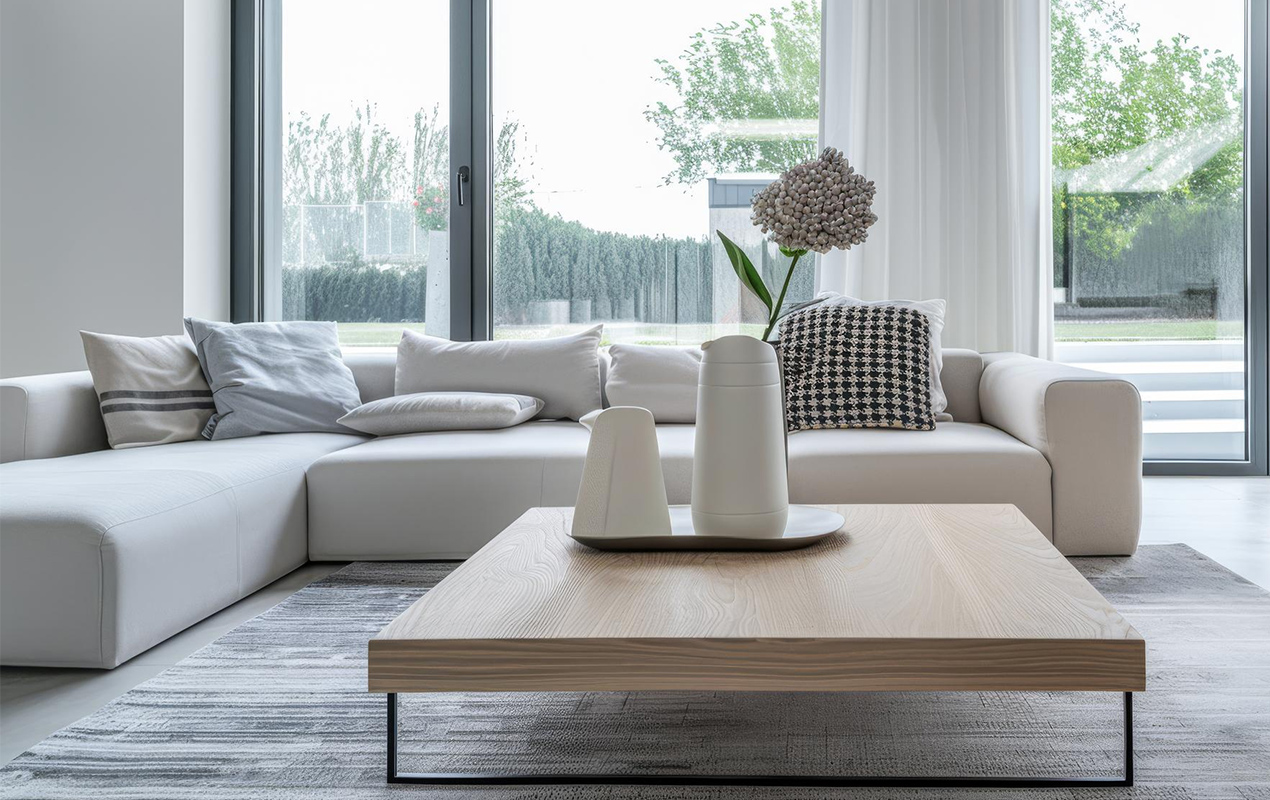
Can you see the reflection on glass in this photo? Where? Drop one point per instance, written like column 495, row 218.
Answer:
column 1149, row 265
column 619, row 156
column 365, row 162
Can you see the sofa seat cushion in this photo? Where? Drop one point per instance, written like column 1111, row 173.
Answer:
column 104, row 554
column 958, row 462
column 445, row 494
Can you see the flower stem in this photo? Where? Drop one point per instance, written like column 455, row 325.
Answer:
column 780, row 301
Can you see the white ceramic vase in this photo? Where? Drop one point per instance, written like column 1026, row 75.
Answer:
column 622, row 493
column 739, row 482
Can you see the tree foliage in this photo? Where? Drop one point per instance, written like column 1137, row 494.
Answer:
column 363, row 160
column 324, row 164
column 1112, row 93
column 761, row 68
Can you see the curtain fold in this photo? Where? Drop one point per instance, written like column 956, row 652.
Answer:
column 944, row 105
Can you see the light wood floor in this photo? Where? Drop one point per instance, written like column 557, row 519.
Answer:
column 1227, row 519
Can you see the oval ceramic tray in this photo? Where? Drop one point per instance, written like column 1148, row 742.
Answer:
column 806, row 526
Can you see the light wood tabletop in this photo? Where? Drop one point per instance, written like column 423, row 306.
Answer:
column 905, row 597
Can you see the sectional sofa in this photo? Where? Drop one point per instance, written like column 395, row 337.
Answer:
column 105, row 553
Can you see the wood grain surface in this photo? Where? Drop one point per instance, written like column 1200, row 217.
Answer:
column 906, row 597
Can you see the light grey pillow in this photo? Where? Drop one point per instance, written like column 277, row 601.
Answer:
column 659, row 378
column 564, row 372
column 441, row 411
column 151, row 389
column 273, row 377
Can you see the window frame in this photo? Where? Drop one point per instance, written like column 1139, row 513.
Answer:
column 256, row 168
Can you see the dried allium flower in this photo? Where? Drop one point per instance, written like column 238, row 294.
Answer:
column 817, row 205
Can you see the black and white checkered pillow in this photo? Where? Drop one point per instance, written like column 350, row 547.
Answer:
column 857, row 367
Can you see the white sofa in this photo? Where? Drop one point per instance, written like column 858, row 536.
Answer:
column 105, row 553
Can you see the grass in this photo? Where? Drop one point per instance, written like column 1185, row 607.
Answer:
column 374, row 334
column 1146, row 330
column 387, row 334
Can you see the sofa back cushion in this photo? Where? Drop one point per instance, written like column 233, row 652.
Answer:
column 48, row 416
column 960, row 377
column 374, row 373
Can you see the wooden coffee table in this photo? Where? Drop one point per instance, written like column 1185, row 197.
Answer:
column 906, row 598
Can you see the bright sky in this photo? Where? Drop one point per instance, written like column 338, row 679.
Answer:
column 577, row 75
column 1215, row 24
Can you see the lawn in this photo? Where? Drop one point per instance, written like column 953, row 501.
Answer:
column 1140, row 330
column 374, row 334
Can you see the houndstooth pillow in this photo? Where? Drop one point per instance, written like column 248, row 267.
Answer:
column 857, row 367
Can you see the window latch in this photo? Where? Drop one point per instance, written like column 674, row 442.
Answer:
column 464, row 175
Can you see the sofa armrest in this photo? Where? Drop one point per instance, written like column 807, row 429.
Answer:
column 1088, row 425
column 45, row 416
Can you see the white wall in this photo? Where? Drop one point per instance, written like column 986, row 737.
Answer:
column 96, row 213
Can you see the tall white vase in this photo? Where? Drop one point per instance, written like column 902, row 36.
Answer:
column 739, row 482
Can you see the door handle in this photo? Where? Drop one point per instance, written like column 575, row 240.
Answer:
column 464, row 175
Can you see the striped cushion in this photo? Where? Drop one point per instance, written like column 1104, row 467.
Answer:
column 151, row 390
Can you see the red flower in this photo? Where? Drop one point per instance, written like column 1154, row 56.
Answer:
column 427, row 210
column 415, row 204
column 418, row 190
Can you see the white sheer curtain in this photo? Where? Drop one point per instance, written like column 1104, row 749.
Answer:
column 944, row 104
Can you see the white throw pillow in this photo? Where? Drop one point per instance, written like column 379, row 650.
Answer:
column 441, row 411
column 564, row 372
column 933, row 310
column 151, row 390
column 658, row 378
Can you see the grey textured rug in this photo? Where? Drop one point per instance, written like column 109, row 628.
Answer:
column 277, row 708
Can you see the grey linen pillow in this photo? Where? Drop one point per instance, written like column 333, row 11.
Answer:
column 441, row 411
column 151, row 389
column 273, row 377
column 564, row 372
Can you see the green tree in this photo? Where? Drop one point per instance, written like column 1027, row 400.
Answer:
column 759, row 69
column 1112, row 93
column 328, row 165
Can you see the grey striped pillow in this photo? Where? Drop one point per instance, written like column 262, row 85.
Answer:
column 151, row 389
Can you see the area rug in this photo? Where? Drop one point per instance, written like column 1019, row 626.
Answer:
column 277, row 709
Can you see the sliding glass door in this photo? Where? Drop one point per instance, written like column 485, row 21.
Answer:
column 1154, row 268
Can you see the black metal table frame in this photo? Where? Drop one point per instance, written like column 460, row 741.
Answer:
column 800, row 781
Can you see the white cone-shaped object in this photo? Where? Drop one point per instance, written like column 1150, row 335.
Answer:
column 739, row 483
column 622, row 492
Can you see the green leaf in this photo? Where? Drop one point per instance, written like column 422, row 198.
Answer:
column 788, row 253
column 746, row 272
